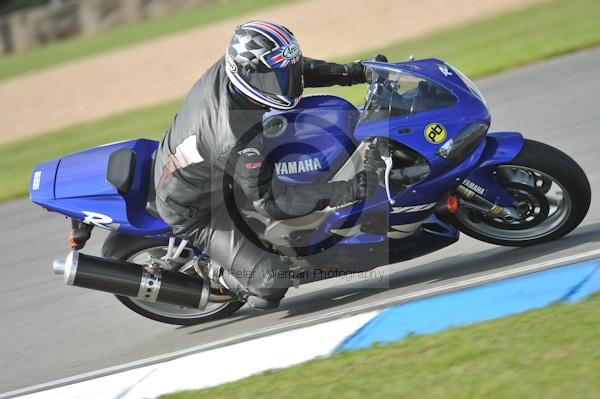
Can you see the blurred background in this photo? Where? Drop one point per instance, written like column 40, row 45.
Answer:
column 80, row 73
column 30, row 23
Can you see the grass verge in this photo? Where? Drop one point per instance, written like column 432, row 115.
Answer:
column 481, row 48
column 499, row 43
column 553, row 352
column 84, row 46
column 18, row 158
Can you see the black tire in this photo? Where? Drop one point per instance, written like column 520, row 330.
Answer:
column 563, row 169
column 122, row 247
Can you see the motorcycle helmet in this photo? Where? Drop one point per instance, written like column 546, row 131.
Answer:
column 264, row 62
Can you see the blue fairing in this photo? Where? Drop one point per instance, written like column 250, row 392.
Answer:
column 496, row 149
column 76, row 186
column 444, row 177
column 309, row 145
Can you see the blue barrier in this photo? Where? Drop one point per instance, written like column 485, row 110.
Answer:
column 472, row 305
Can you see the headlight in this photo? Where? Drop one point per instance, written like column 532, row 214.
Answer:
column 460, row 147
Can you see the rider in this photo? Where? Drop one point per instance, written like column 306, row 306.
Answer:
column 217, row 134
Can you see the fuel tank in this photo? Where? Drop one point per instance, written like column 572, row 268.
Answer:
column 311, row 142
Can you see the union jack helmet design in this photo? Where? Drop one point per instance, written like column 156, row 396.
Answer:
column 263, row 61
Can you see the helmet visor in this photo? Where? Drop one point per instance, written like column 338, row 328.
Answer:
column 286, row 82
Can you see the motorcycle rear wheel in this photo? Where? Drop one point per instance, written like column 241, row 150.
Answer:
column 135, row 250
column 554, row 190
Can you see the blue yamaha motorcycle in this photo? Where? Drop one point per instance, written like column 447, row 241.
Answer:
column 440, row 172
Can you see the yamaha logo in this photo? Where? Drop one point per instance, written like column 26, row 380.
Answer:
column 300, row 166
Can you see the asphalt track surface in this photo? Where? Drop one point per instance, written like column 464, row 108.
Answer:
column 51, row 331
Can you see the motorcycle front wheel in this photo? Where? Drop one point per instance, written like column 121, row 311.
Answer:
column 552, row 196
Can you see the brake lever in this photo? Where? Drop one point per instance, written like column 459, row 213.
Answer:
column 389, row 163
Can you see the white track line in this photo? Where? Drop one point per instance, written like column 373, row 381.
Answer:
column 309, row 320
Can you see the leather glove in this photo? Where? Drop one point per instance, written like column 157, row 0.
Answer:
column 378, row 58
column 363, row 185
column 357, row 72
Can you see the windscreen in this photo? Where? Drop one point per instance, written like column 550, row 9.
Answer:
column 394, row 93
column 470, row 85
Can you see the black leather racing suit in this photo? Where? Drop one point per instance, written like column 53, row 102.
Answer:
column 216, row 139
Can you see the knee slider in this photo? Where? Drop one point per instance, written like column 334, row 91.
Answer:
column 267, row 277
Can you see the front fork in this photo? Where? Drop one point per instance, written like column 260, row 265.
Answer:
column 492, row 200
column 469, row 199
